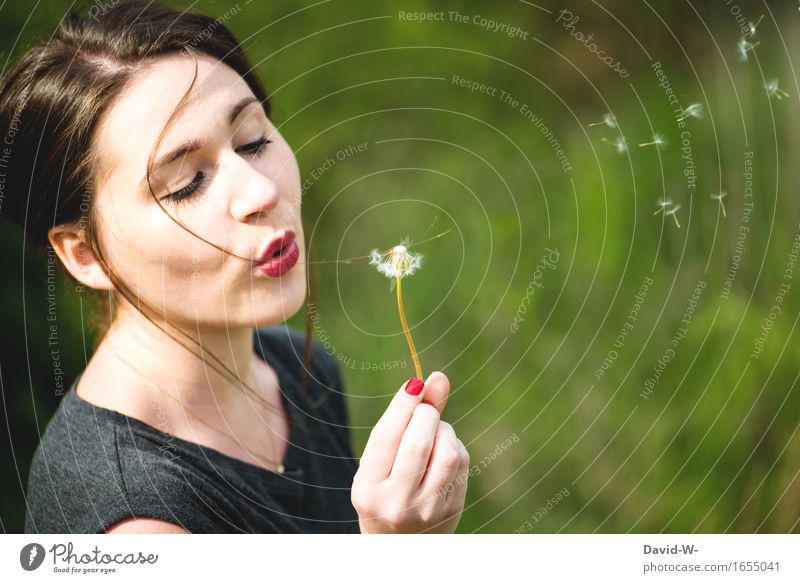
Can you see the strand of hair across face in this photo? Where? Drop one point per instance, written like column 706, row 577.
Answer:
column 227, row 373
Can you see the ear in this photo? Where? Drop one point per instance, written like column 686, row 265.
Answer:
column 77, row 257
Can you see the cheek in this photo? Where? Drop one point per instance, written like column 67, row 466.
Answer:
column 294, row 172
column 152, row 254
column 172, row 254
column 289, row 171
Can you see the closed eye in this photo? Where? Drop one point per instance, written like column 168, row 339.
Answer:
column 255, row 147
column 194, row 187
column 187, row 191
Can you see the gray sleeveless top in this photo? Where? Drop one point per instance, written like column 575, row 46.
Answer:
column 94, row 466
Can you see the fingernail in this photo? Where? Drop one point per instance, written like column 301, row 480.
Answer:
column 414, row 386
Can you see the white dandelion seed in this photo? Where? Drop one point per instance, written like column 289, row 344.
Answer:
column 693, row 110
column 673, row 212
column 620, row 144
column 658, row 141
column 751, row 28
column 719, row 196
column 773, row 90
column 744, row 46
column 663, row 204
column 608, row 119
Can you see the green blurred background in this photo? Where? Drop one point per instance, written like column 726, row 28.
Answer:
column 706, row 441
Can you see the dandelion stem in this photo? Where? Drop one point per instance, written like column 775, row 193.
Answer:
column 414, row 356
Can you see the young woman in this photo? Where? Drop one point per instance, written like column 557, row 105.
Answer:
column 141, row 152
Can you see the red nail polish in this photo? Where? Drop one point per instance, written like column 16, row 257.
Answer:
column 414, row 386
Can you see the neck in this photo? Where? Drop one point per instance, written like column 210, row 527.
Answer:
column 177, row 370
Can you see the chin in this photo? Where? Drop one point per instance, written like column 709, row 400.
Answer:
column 283, row 303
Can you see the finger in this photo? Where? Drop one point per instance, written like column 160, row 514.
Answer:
column 415, row 448
column 454, row 504
column 447, row 459
column 451, row 497
column 457, row 496
column 437, row 389
column 381, row 448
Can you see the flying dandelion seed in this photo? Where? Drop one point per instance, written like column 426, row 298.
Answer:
column 658, row 141
column 673, row 212
column 751, row 28
column 396, row 264
column 719, row 197
column 663, row 204
column 608, row 119
column 773, row 90
column 694, row 110
column 620, row 144
column 744, row 46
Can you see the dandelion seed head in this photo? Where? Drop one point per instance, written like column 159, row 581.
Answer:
column 398, row 262
column 719, row 195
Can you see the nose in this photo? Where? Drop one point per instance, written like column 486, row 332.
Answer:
column 255, row 194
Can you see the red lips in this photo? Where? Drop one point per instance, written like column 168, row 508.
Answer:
column 287, row 251
column 278, row 243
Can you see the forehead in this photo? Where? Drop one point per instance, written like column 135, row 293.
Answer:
column 128, row 130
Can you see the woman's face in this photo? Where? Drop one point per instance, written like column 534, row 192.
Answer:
column 246, row 196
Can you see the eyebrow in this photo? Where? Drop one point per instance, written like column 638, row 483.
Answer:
column 192, row 145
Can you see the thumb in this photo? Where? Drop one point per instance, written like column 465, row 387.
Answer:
column 436, row 391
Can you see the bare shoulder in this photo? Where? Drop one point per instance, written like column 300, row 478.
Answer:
column 145, row 526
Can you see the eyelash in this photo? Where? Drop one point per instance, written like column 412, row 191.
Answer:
column 191, row 189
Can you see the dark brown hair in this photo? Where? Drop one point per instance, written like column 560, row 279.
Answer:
column 51, row 100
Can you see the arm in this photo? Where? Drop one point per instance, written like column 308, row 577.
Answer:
column 145, row 526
